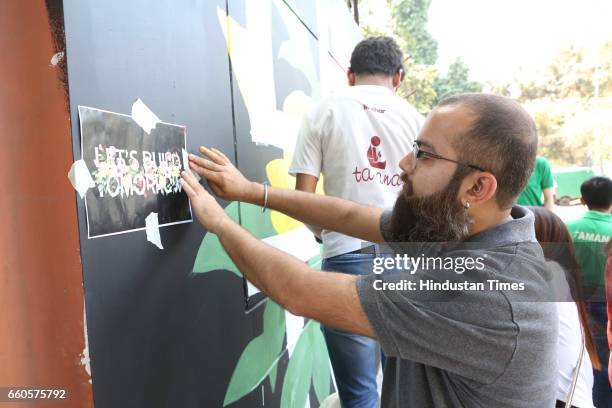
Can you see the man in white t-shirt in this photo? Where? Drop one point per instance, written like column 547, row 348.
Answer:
column 356, row 139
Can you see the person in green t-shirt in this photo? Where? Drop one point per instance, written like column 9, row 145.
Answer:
column 591, row 233
column 540, row 184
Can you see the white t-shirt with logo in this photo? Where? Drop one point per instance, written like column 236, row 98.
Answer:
column 356, row 139
column 569, row 343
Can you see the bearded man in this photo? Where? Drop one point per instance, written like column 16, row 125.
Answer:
column 455, row 348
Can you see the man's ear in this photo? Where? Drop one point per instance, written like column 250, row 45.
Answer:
column 479, row 188
column 397, row 78
column 582, row 201
column 350, row 75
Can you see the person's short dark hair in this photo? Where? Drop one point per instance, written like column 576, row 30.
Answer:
column 502, row 140
column 597, row 192
column 377, row 55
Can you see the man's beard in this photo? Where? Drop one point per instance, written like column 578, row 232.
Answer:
column 439, row 217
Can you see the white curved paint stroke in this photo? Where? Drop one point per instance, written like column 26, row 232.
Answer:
column 250, row 50
column 85, row 361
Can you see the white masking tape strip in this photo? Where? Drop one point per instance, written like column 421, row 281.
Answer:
column 80, row 178
column 186, row 165
column 144, row 117
column 185, row 160
column 152, row 225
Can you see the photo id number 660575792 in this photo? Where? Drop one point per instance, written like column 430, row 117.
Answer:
column 15, row 394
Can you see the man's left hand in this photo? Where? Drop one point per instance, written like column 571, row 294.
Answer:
column 207, row 210
column 224, row 179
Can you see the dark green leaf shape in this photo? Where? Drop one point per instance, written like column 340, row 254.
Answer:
column 260, row 356
column 321, row 374
column 256, row 222
column 272, row 376
column 211, row 255
column 310, row 361
column 315, row 262
column 297, row 378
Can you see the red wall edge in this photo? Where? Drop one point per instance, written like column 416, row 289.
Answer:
column 41, row 283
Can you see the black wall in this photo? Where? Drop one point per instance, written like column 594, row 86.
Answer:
column 160, row 336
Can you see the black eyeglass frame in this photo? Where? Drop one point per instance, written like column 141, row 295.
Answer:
column 418, row 153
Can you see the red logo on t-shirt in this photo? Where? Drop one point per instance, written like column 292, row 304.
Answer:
column 375, row 155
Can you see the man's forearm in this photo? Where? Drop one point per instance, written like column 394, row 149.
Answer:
column 326, row 212
column 261, row 264
column 329, row 298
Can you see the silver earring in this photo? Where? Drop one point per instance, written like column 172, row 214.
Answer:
column 466, row 205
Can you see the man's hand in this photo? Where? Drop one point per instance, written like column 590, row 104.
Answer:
column 207, row 210
column 330, row 213
column 223, row 178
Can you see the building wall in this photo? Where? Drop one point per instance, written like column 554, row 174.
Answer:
column 41, row 287
column 171, row 328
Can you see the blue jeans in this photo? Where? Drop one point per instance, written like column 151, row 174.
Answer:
column 602, row 392
column 354, row 358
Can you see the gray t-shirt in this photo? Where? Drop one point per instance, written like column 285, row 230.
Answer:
column 470, row 348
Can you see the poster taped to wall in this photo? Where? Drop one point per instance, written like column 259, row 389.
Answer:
column 134, row 173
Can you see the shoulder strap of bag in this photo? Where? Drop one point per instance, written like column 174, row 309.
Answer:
column 570, row 394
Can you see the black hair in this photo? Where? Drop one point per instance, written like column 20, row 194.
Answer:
column 556, row 242
column 597, row 192
column 502, row 139
column 377, row 55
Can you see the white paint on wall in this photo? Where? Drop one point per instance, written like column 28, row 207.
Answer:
column 294, row 326
column 85, row 362
column 57, row 58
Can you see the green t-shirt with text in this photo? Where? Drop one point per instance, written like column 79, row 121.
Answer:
column 591, row 233
column 541, row 179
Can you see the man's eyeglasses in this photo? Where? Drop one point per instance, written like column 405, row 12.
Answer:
column 418, row 153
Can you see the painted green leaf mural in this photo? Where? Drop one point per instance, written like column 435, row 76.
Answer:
column 321, row 373
column 259, row 359
column 260, row 356
column 256, row 222
column 211, row 255
column 274, row 326
column 315, row 262
column 309, row 362
column 272, row 376
column 297, row 377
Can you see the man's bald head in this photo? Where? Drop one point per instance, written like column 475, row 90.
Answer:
column 501, row 139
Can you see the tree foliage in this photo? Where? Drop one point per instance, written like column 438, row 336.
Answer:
column 570, row 100
column 423, row 84
column 455, row 81
column 418, row 86
column 410, row 24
